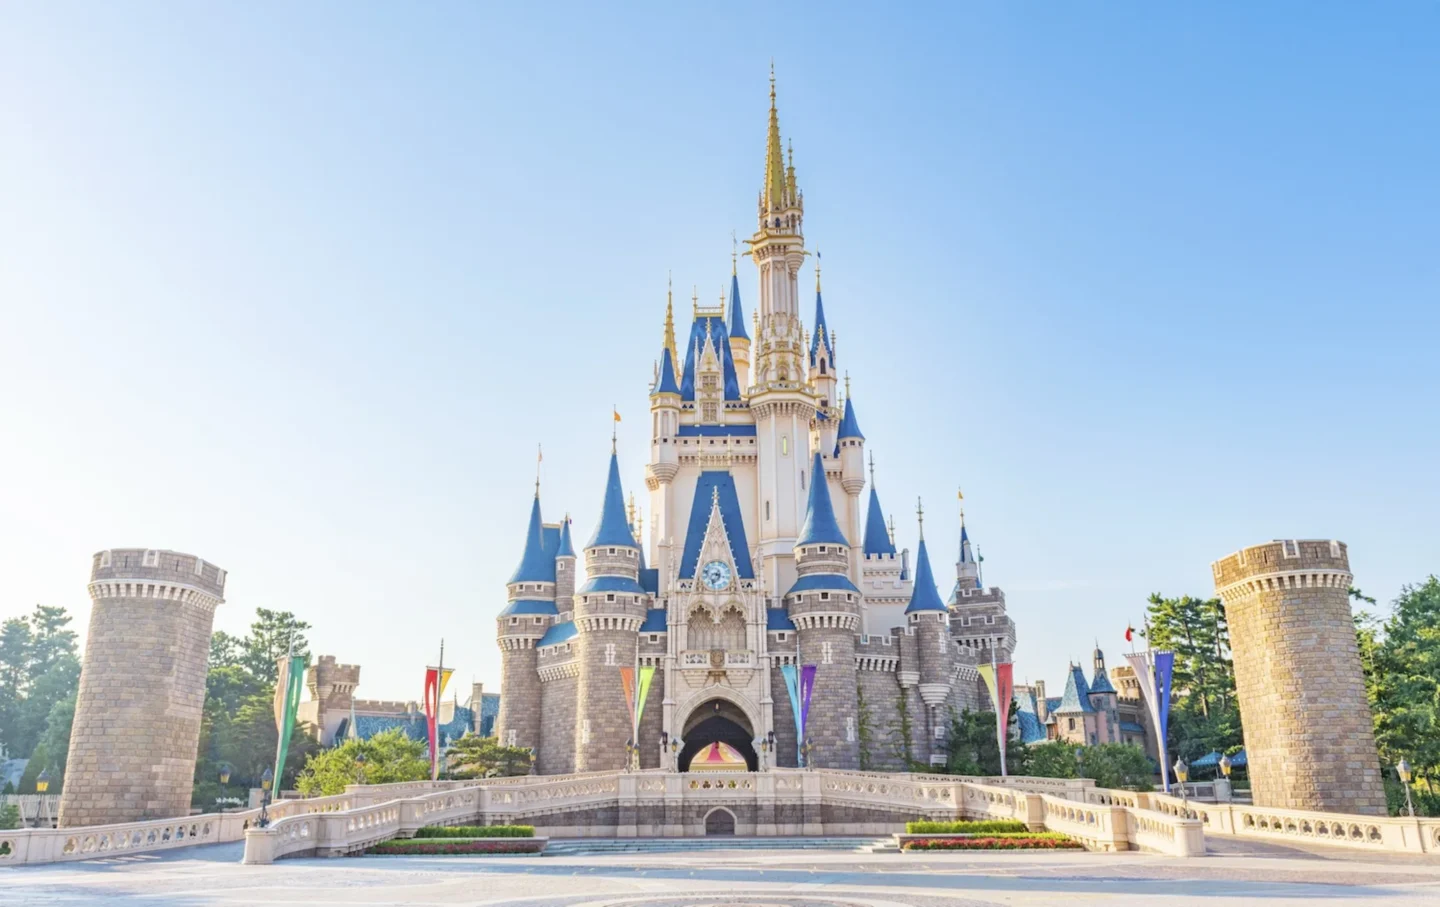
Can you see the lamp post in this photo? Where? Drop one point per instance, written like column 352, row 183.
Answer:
column 675, row 745
column 1403, row 770
column 266, row 780
column 360, row 767
column 805, row 749
column 224, row 773
column 42, row 784
column 1225, row 766
column 1182, row 773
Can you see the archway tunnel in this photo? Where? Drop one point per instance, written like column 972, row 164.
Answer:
column 718, row 720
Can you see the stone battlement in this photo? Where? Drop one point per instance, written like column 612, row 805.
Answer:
column 1282, row 556
column 158, row 566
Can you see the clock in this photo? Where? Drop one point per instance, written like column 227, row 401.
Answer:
column 715, row 575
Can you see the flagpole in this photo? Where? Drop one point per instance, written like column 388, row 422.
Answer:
column 439, row 679
column 1002, row 711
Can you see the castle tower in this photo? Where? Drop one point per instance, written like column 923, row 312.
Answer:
column 142, row 687
column 824, row 605
column 529, row 611
column 1105, row 701
column 928, row 617
column 782, row 401
column 850, row 441
column 1308, row 732
column 609, row 609
column 739, row 340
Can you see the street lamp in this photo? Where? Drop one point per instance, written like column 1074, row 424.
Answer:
column 805, row 749
column 360, row 766
column 266, row 780
column 42, row 784
column 1225, row 766
column 1403, row 770
column 1182, row 772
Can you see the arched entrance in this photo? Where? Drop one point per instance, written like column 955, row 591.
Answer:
column 719, row 821
column 722, row 720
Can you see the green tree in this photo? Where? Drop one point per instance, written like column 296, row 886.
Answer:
column 225, row 650
column 39, row 761
column 9, row 817
column 972, row 747
column 56, row 740
column 1204, row 715
column 473, row 756
column 1117, row 765
column 1403, row 682
column 1054, row 759
column 390, row 757
column 270, row 637
column 38, row 668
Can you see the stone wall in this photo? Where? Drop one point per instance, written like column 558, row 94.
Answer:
column 833, row 723
column 142, row 687
column 786, row 755
column 556, row 752
column 1308, row 732
column 881, row 722
column 518, row 722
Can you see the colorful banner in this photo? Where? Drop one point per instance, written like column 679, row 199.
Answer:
column 793, row 688
column 1155, row 689
column 807, row 689
column 647, row 674
column 627, row 686
column 999, row 680
column 287, row 702
column 435, row 681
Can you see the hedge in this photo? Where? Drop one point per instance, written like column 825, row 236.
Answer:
column 463, row 846
column 476, row 831
column 979, row 827
column 997, row 842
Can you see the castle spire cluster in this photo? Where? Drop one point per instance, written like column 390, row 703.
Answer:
column 759, row 554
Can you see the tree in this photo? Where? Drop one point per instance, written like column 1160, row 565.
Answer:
column 973, row 749
column 1204, row 715
column 9, row 817
column 473, row 756
column 56, row 740
column 225, row 650
column 39, row 667
column 1113, row 765
column 270, row 638
column 390, row 757
column 1053, row 759
column 1403, row 681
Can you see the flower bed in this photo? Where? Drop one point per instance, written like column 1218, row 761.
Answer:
column 476, row 831
column 977, row 827
column 457, row 846
column 1039, row 841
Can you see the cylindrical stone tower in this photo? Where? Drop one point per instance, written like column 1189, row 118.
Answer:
column 609, row 609
column 142, row 687
column 528, row 614
column 1308, row 734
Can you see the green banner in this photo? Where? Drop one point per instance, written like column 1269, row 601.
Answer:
column 647, row 674
column 287, row 702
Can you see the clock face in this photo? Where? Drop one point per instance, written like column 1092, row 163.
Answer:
column 716, row 575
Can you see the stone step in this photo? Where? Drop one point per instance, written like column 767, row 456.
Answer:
column 580, row 846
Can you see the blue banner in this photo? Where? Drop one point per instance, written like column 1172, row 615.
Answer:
column 1164, row 668
column 792, row 686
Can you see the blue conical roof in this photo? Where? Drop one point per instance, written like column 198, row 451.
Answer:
column 924, row 596
column 566, row 549
column 1101, row 681
column 822, row 331
column 820, row 526
column 667, row 383
column 535, row 565
column 737, row 315
column 877, row 540
column 849, row 425
column 966, row 556
column 614, row 529
column 1077, row 695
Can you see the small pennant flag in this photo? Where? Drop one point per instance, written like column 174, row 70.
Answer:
column 1129, row 633
column 616, row 414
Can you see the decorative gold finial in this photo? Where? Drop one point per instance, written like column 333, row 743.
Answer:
column 920, row 516
column 734, row 252
column 817, row 270
column 539, row 458
column 891, row 527
column 847, row 385
column 670, row 325
column 774, row 192
column 630, row 511
column 872, row 468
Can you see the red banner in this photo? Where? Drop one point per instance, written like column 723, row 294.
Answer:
column 431, row 704
column 627, row 683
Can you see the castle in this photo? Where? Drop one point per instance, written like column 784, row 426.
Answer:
column 757, row 557
column 333, row 713
column 1107, row 708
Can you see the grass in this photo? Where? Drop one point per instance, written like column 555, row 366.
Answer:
column 476, row 831
column 457, row 846
column 977, row 827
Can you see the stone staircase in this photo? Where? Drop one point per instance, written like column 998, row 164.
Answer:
column 569, row 847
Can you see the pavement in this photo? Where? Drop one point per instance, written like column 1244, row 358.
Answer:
column 1236, row 873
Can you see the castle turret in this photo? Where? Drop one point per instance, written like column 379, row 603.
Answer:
column 930, row 619
column 1308, row 734
column 609, row 609
column 850, row 443
column 529, row 611
column 1104, row 700
column 824, row 605
column 739, row 340
column 132, row 751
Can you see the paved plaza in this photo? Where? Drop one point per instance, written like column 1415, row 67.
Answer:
column 1237, row 873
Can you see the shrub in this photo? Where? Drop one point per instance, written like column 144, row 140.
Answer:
column 9, row 817
column 977, row 827
column 443, row 846
column 997, row 842
column 476, row 831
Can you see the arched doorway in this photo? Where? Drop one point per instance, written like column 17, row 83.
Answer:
column 722, row 720
column 719, row 821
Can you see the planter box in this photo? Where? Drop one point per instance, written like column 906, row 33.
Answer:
column 458, row 847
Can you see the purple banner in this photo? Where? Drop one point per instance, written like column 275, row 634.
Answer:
column 1164, row 669
column 792, row 687
column 807, row 687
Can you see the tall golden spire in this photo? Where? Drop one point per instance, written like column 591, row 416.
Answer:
column 774, row 155
column 670, row 328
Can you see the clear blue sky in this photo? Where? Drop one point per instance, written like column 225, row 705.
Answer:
column 298, row 287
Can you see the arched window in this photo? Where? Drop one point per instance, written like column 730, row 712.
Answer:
column 822, row 366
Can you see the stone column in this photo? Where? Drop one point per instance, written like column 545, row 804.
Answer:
column 142, row 687
column 1308, row 734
